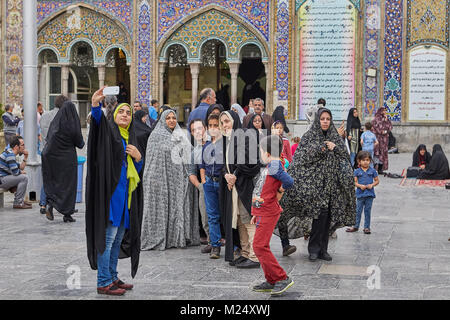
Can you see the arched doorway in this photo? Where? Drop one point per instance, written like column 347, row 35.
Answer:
column 49, row 81
column 252, row 81
column 214, row 71
column 117, row 71
column 177, row 81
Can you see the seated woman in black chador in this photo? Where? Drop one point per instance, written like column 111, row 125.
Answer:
column 438, row 168
column 421, row 157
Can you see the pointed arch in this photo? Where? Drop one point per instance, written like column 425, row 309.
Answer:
column 241, row 23
column 100, row 30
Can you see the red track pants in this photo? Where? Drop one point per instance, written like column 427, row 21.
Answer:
column 261, row 245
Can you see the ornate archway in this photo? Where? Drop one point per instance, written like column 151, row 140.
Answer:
column 211, row 24
column 84, row 24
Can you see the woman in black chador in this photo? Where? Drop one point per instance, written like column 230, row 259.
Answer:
column 324, row 189
column 113, row 195
column 59, row 162
column 438, row 168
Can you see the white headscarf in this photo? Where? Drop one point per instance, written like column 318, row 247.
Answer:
column 241, row 113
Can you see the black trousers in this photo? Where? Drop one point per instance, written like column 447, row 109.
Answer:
column 318, row 240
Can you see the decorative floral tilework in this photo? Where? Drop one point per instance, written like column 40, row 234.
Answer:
column 120, row 9
column 428, row 22
column 282, row 63
column 393, row 59
column 144, row 53
column 255, row 12
column 99, row 30
column 209, row 25
column 371, row 55
column 14, row 52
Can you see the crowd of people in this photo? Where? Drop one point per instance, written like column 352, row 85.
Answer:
column 228, row 179
column 230, row 182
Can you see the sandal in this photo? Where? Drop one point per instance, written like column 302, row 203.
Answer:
column 367, row 231
column 353, row 229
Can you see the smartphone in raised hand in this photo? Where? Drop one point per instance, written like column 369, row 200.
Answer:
column 111, row 91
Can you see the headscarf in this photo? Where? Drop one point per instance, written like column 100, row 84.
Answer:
column 418, row 158
column 352, row 121
column 211, row 109
column 250, row 124
column 278, row 115
column 142, row 130
column 380, row 123
column 438, row 168
column 132, row 174
column 241, row 113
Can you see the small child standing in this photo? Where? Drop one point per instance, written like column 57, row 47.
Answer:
column 266, row 211
column 210, row 173
column 368, row 140
column 366, row 178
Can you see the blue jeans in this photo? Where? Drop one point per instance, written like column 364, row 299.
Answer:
column 352, row 158
column 366, row 204
column 211, row 190
column 42, row 197
column 107, row 262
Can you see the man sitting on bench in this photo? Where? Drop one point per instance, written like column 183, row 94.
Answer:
column 12, row 176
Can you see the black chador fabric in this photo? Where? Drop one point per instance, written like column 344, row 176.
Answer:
column 352, row 121
column 59, row 159
column 278, row 115
column 105, row 158
column 438, row 168
column 244, row 183
column 416, row 156
column 142, row 131
column 211, row 109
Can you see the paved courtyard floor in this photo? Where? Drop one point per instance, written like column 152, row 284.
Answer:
column 408, row 246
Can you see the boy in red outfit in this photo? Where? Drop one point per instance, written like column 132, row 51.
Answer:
column 266, row 211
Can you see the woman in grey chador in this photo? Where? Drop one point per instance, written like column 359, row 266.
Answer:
column 168, row 220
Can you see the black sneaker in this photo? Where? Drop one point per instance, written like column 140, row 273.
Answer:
column 249, row 264
column 288, row 250
column 263, row 287
column 215, row 253
column 43, row 210
column 237, row 261
column 282, row 286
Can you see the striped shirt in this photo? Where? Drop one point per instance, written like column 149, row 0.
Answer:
column 8, row 164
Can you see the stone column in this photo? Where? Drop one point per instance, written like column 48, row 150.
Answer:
column 195, row 70
column 234, row 70
column 42, row 71
column 162, row 70
column 30, row 99
column 30, row 83
column 101, row 69
column 65, row 80
column 269, row 101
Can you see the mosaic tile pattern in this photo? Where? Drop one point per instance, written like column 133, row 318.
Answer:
column 371, row 55
column 144, row 53
column 428, row 22
column 120, row 9
column 99, row 30
column 14, row 51
column 282, row 53
column 209, row 25
column 255, row 12
column 393, row 59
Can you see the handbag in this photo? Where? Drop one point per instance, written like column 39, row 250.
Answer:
column 412, row 172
